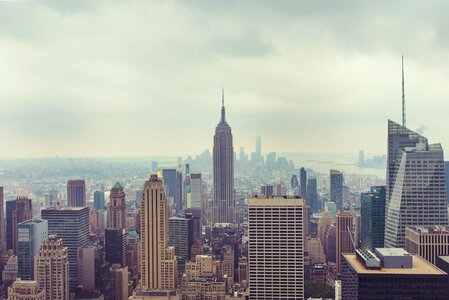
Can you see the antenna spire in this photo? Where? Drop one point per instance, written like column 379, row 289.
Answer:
column 222, row 97
column 223, row 117
column 404, row 121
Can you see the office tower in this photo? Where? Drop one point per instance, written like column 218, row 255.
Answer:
column 169, row 179
column 330, row 244
column 312, row 195
column 223, row 168
column 418, row 195
column 196, row 190
column 204, row 288
column 118, row 278
column 336, row 187
column 228, row 260
column 303, row 183
column 195, row 215
column 99, row 203
column 157, row 264
column 200, row 266
column 446, row 175
column 271, row 161
column 115, row 246
column 76, row 193
column 373, row 218
column 315, row 250
column 266, row 190
column 391, row 273
column 2, row 222
column 70, row 224
column 344, row 241
column 52, row 269
column 294, row 183
column 324, row 223
column 361, row 158
column 25, row 290
column 10, row 272
column 117, row 207
column 331, row 208
column 429, row 242
column 87, row 256
column 31, row 235
column 17, row 211
column 276, row 247
column 51, row 198
column 180, row 236
column 179, row 192
column 132, row 244
column 187, row 190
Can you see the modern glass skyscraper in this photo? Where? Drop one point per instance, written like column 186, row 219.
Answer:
column 99, row 202
column 17, row 211
column 312, row 195
column 373, row 217
column 303, row 183
column 415, row 184
column 223, row 161
column 336, row 187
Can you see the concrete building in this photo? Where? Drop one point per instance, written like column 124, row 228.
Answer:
column 31, row 235
column 223, row 171
column 86, row 267
column 194, row 214
column 267, row 190
column 76, row 193
column 52, row 269
column 70, row 224
column 17, row 211
column 180, row 236
column 202, row 288
column 25, row 290
column 315, row 251
column 344, row 238
column 276, row 247
column 196, row 190
column 429, row 242
column 157, row 264
column 2, row 222
column 115, row 246
column 336, row 188
column 118, row 278
column 117, row 208
column 373, row 218
column 10, row 273
column 202, row 266
column 391, row 273
column 415, row 184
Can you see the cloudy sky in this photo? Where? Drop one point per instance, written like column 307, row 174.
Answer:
column 134, row 78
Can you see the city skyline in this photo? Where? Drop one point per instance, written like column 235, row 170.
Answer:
column 57, row 110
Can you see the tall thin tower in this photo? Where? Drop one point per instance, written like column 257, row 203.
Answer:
column 404, row 121
column 223, row 158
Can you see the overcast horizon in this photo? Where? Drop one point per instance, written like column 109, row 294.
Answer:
column 138, row 78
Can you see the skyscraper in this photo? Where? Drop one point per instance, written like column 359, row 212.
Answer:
column 194, row 214
column 344, row 243
column 180, row 232
column 17, row 211
column 25, row 290
column 52, row 269
column 31, row 235
column 118, row 278
column 157, row 263
column 196, row 190
column 223, row 165
column 312, row 195
column 336, row 187
column 2, row 222
column 117, row 208
column 416, row 184
column 373, row 218
column 99, row 202
column 303, row 183
column 76, row 193
column 276, row 248
column 429, row 242
column 169, row 179
column 70, row 224
column 115, row 246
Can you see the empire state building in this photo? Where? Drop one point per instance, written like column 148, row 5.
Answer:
column 223, row 155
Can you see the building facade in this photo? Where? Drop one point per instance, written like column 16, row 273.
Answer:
column 25, row 290
column 429, row 242
column 76, row 193
column 336, row 188
column 373, row 218
column 344, row 238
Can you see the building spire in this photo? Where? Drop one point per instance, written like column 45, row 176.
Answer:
column 404, row 121
column 223, row 117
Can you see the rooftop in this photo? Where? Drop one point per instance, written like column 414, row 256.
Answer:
column 117, row 185
column 420, row 267
column 392, row 251
column 435, row 229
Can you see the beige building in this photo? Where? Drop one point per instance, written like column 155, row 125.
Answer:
column 324, row 223
column 276, row 247
column 51, row 269
column 2, row 221
column 157, row 264
column 428, row 242
column 204, row 265
column 86, row 267
column 117, row 208
column 204, row 289
column 26, row 290
column 315, row 250
column 228, row 261
column 118, row 277
column 344, row 236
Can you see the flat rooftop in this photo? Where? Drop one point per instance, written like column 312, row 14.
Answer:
column 392, row 252
column 275, row 200
column 435, row 229
column 420, row 267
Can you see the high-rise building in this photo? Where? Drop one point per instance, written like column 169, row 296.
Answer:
column 446, row 175
column 271, row 161
column 70, row 224
column 336, row 188
column 118, row 278
column 52, row 269
column 315, row 250
column 373, row 218
column 157, row 263
column 76, row 193
column 25, row 290
column 324, row 223
column 391, row 273
column 180, row 236
column 303, row 183
column 417, row 184
column 17, row 211
column 117, row 208
column 294, row 183
column 331, row 208
column 276, row 247
column 267, row 190
column 31, row 235
column 195, row 215
column 312, row 195
column 429, row 242
column 223, row 169
column 179, row 191
column 2, row 222
column 344, row 241
column 115, row 246
column 169, row 179
column 99, row 202
column 196, row 190
column 86, row 267
column 9, row 273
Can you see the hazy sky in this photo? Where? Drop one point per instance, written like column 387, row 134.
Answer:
column 125, row 78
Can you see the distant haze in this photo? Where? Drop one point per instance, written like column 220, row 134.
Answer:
column 135, row 78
